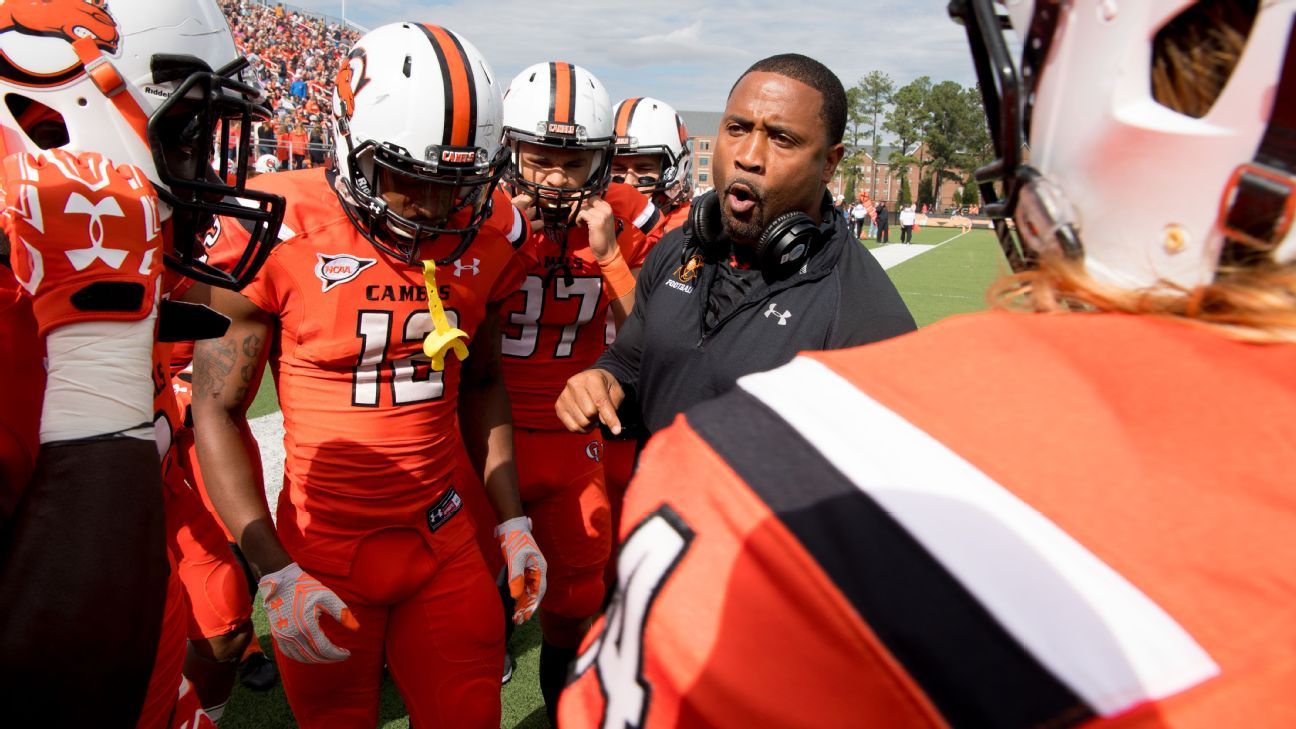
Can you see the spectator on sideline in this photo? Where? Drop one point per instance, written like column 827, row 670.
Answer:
column 755, row 293
column 858, row 214
column 907, row 217
column 316, row 146
column 297, row 140
column 883, row 223
column 265, row 138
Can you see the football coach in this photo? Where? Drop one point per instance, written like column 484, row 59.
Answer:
column 762, row 269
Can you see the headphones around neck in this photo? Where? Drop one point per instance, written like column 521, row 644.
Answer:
column 787, row 242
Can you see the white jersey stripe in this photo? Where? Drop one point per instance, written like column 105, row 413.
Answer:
column 1093, row 629
column 284, row 231
column 515, row 234
column 648, row 211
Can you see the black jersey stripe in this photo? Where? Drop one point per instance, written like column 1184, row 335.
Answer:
column 972, row 670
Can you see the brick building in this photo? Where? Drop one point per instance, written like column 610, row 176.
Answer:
column 702, row 128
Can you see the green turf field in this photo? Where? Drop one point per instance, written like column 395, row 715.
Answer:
column 523, row 707
column 950, row 278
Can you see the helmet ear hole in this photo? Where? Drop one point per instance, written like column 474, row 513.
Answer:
column 42, row 125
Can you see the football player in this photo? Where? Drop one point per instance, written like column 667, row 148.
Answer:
column 379, row 316
column 589, row 243
column 1073, row 516
column 110, row 119
column 652, row 155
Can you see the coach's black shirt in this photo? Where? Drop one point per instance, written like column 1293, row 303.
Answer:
column 666, row 353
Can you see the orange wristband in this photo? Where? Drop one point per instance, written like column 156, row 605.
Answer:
column 617, row 279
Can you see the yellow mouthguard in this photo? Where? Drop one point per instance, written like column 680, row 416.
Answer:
column 443, row 337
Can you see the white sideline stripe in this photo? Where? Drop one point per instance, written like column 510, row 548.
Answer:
column 894, row 254
column 269, row 433
column 1090, row 627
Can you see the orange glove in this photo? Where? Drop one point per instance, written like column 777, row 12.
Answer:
column 85, row 238
column 293, row 603
column 526, row 566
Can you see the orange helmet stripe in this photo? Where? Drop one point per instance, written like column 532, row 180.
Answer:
column 460, row 87
column 624, row 115
column 562, row 92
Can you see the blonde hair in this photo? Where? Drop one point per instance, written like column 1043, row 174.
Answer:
column 1252, row 298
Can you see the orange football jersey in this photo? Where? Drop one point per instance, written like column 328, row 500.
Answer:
column 554, row 330
column 369, row 424
column 890, row 536
column 670, row 220
column 22, row 370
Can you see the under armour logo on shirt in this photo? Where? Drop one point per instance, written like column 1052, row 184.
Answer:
column 460, row 267
column 783, row 316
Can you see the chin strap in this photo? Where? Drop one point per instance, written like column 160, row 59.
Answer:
column 1259, row 203
column 443, row 337
column 105, row 76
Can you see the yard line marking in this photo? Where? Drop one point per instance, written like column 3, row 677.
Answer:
column 893, row 254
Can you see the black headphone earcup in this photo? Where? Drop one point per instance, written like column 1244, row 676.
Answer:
column 704, row 215
column 705, row 228
column 787, row 240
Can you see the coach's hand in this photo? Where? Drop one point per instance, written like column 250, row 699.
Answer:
column 527, row 568
column 293, row 603
column 590, row 394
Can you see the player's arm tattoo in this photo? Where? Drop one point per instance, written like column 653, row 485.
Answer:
column 251, row 350
column 215, row 361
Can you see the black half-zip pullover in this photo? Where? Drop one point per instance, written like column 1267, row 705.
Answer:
column 667, row 355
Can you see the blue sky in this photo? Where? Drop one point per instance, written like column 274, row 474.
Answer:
column 689, row 52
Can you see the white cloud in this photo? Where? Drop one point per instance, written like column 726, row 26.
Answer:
column 687, row 52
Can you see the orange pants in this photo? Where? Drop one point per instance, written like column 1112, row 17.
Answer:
column 171, row 702
column 213, row 580
column 426, row 607
column 618, row 466
column 561, row 481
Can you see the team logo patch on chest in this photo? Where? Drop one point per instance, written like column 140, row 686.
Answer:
column 336, row 269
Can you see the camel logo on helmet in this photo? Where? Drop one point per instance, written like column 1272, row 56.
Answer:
column 26, row 26
column 351, row 78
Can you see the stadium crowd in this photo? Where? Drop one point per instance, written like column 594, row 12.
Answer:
column 294, row 56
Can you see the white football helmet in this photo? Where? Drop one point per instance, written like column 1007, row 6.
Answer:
column 416, row 118
column 559, row 104
column 648, row 126
column 266, row 164
column 1144, row 194
column 157, row 85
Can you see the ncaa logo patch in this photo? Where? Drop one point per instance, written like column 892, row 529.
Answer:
column 594, row 450
column 336, row 269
